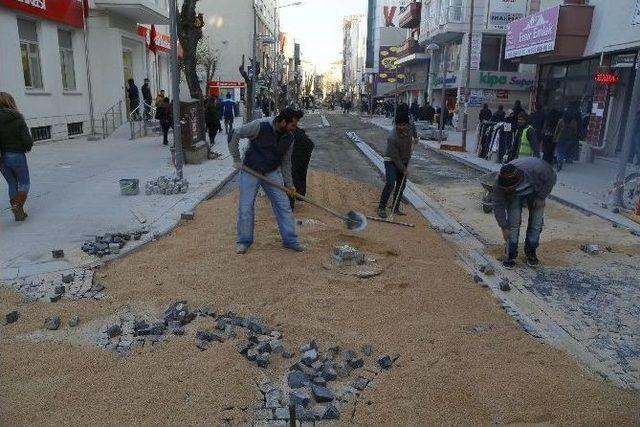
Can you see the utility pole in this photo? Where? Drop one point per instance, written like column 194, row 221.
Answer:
column 628, row 135
column 465, row 117
column 175, row 88
column 254, row 63
column 92, row 120
column 443, row 57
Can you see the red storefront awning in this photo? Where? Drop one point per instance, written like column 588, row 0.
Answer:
column 68, row 12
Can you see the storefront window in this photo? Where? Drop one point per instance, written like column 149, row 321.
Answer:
column 30, row 54
column 65, row 44
column 492, row 55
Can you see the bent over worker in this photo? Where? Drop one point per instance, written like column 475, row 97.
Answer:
column 522, row 182
column 269, row 154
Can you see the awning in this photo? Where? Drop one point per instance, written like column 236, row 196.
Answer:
column 405, row 88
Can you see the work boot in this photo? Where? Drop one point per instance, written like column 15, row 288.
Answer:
column 295, row 247
column 399, row 212
column 509, row 263
column 532, row 259
column 17, row 206
column 241, row 249
column 382, row 213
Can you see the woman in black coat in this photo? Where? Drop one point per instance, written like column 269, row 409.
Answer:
column 15, row 142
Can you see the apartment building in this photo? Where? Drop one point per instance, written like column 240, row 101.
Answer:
column 353, row 55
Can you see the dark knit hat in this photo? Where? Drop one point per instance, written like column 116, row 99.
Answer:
column 509, row 177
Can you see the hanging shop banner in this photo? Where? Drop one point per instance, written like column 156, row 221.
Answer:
column 162, row 41
column 533, row 34
column 635, row 14
column 503, row 12
column 476, row 49
column 388, row 71
column 68, row 12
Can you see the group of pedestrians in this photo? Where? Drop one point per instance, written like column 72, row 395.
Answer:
column 133, row 95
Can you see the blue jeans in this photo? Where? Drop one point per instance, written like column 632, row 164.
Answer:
column 394, row 180
column 534, row 226
column 248, row 186
column 561, row 150
column 13, row 167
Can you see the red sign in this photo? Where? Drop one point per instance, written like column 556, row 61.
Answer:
column 222, row 83
column 65, row 11
column 606, row 77
column 162, row 41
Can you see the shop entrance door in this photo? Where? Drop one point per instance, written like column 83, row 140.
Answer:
column 618, row 116
column 127, row 66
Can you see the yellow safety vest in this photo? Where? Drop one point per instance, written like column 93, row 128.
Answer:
column 525, row 146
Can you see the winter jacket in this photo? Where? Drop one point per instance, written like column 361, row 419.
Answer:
column 566, row 132
column 485, row 115
column 146, row 94
column 133, row 93
column 498, row 116
column 14, row 132
column 213, row 114
column 399, row 148
column 537, row 173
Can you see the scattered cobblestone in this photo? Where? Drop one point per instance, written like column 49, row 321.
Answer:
column 11, row 317
column 166, row 185
column 52, row 287
column 52, row 323
column 110, row 243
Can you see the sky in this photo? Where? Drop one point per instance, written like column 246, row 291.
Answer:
column 317, row 26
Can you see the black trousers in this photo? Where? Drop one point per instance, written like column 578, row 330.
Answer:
column 213, row 129
column 394, row 183
column 165, row 132
column 299, row 168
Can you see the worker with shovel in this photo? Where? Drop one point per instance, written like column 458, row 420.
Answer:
column 396, row 160
column 268, row 155
column 522, row 182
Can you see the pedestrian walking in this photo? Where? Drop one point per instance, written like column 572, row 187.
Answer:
column 566, row 132
column 269, row 153
column 212, row 117
column 499, row 115
column 134, row 99
column 164, row 114
column 414, row 110
column 15, row 142
column 485, row 114
column 159, row 98
column 525, row 143
column 228, row 113
column 429, row 112
column 525, row 182
column 396, row 160
column 300, row 158
column 551, row 118
column 147, row 98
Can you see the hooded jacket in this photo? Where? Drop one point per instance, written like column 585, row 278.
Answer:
column 14, row 133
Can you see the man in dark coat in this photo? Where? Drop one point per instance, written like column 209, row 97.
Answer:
column 499, row 115
column 212, row 117
column 414, row 110
column 148, row 99
column 485, row 113
column 134, row 99
column 300, row 158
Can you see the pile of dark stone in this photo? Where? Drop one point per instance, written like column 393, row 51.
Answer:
column 131, row 330
column 110, row 243
column 166, row 185
column 52, row 323
column 53, row 287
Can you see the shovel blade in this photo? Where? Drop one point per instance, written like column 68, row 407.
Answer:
column 356, row 221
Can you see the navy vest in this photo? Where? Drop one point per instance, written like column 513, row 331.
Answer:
column 266, row 150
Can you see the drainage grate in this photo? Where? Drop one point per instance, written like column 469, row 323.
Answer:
column 74, row 129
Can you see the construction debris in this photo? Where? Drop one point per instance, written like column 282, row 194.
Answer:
column 110, row 243
column 590, row 248
column 166, row 185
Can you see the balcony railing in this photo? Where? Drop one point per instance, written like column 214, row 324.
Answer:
column 410, row 17
column 409, row 47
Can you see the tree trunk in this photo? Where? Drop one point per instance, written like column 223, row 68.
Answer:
column 249, row 91
column 190, row 33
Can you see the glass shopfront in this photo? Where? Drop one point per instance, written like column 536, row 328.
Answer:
column 568, row 85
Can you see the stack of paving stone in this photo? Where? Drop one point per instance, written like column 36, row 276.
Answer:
column 110, row 243
column 52, row 287
column 348, row 255
column 166, row 185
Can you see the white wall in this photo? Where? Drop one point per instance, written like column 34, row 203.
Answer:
column 50, row 105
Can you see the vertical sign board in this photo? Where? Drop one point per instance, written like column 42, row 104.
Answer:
column 68, row 12
column 533, row 34
column 502, row 12
column 476, row 49
column 635, row 14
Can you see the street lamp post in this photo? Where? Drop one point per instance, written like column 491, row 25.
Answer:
column 465, row 117
column 175, row 88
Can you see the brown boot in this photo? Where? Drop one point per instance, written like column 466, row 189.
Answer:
column 17, row 206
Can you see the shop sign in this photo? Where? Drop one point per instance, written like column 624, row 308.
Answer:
column 500, row 80
column 162, row 40
column 502, row 12
column 388, row 71
column 533, row 34
column 476, row 49
column 68, row 12
column 609, row 78
column 626, row 60
column 226, row 83
column 452, row 80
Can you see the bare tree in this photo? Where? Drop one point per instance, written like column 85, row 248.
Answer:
column 207, row 58
column 249, row 84
column 189, row 34
column 308, row 83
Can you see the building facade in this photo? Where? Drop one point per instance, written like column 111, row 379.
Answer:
column 229, row 27
column 63, row 59
column 493, row 79
column 586, row 55
column 412, row 57
column 353, row 55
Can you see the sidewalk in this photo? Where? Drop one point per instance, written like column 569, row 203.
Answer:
column 584, row 186
column 75, row 195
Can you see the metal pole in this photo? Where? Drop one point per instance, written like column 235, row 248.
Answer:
column 276, row 38
column 175, row 88
column 85, row 31
column 465, row 117
column 628, row 135
column 444, row 85
column 254, row 63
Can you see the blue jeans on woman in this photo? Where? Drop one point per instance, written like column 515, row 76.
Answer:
column 13, row 167
column 534, row 225
column 248, row 186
